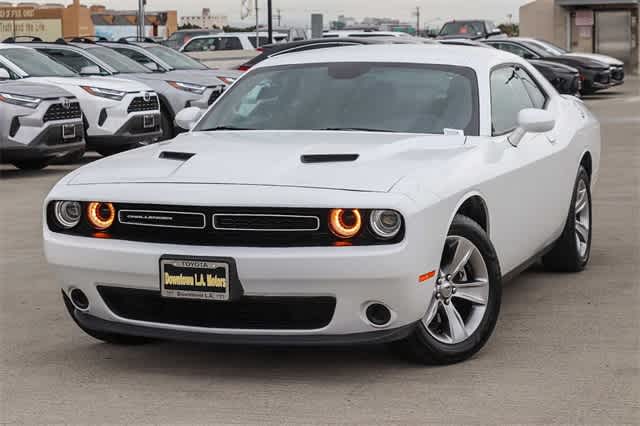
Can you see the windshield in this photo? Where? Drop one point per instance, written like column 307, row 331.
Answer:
column 175, row 59
column 117, row 61
column 549, row 48
column 462, row 28
column 36, row 64
column 412, row 98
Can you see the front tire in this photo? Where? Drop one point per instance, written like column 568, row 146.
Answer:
column 466, row 302
column 166, row 124
column 572, row 250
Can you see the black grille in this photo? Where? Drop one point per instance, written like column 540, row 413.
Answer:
column 209, row 236
column 139, row 104
column 249, row 222
column 59, row 112
column 603, row 78
column 617, row 74
column 215, row 95
column 276, row 313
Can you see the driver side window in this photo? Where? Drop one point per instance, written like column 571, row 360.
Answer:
column 508, row 97
column 71, row 59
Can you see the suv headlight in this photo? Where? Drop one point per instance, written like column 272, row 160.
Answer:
column 115, row 95
column 188, row 87
column 20, row 100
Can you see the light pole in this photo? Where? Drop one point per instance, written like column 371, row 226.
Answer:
column 141, row 4
column 270, row 21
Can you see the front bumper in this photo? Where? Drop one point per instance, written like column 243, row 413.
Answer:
column 47, row 144
column 131, row 134
column 353, row 276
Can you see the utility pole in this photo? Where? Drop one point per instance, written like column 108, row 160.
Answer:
column 279, row 17
column 269, row 21
column 141, row 32
column 257, row 29
column 417, row 13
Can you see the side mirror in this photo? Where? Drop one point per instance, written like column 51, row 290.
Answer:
column 188, row 117
column 90, row 70
column 152, row 66
column 527, row 55
column 532, row 120
column 4, row 74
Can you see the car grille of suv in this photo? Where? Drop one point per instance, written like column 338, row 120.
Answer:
column 59, row 112
column 254, row 313
column 139, row 104
column 604, row 77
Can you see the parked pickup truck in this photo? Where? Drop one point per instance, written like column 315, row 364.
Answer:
column 472, row 29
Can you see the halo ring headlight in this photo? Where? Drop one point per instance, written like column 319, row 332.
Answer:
column 345, row 223
column 385, row 224
column 101, row 215
column 68, row 213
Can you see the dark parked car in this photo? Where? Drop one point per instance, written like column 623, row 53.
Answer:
column 471, row 29
column 595, row 75
column 564, row 78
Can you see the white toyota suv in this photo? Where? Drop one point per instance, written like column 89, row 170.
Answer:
column 38, row 124
column 119, row 114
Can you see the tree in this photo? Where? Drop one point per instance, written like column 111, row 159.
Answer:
column 512, row 30
column 188, row 27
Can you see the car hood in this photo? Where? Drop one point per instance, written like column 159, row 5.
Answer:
column 103, row 82
column 602, row 58
column 35, row 90
column 275, row 158
column 555, row 66
column 208, row 80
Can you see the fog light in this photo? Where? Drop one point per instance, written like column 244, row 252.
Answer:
column 68, row 213
column 385, row 224
column 345, row 223
column 101, row 215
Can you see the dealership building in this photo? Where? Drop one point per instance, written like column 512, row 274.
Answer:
column 609, row 27
column 50, row 21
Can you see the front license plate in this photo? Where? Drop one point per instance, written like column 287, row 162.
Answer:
column 194, row 279
column 148, row 121
column 68, row 131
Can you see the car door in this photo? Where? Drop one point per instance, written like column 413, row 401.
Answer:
column 526, row 188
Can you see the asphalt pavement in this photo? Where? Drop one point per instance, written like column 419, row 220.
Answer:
column 566, row 348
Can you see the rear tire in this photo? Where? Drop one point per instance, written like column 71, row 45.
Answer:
column 31, row 164
column 572, row 250
column 470, row 294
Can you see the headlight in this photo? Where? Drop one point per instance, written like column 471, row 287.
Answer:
column 345, row 223
column 115, row 95
column 101, row 215
column 68, row 213
column 20, row 100
column 385, row 224
column 188, row 87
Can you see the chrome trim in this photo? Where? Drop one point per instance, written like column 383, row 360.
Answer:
column 264, row 215
column 204, row 219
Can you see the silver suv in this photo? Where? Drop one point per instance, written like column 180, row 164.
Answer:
column 38, row 123
column 176, row 89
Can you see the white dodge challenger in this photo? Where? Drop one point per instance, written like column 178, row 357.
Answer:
column 361, row 194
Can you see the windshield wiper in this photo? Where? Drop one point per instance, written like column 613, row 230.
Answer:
column 213, row 129
column 354, row 129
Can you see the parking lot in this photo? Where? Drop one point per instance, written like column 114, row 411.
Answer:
column 566, row 348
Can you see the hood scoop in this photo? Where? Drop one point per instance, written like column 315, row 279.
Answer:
column 174, row 155
column 328, row 158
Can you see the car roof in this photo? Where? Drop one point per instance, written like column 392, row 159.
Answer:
column 12, row 46
column 464, row 56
